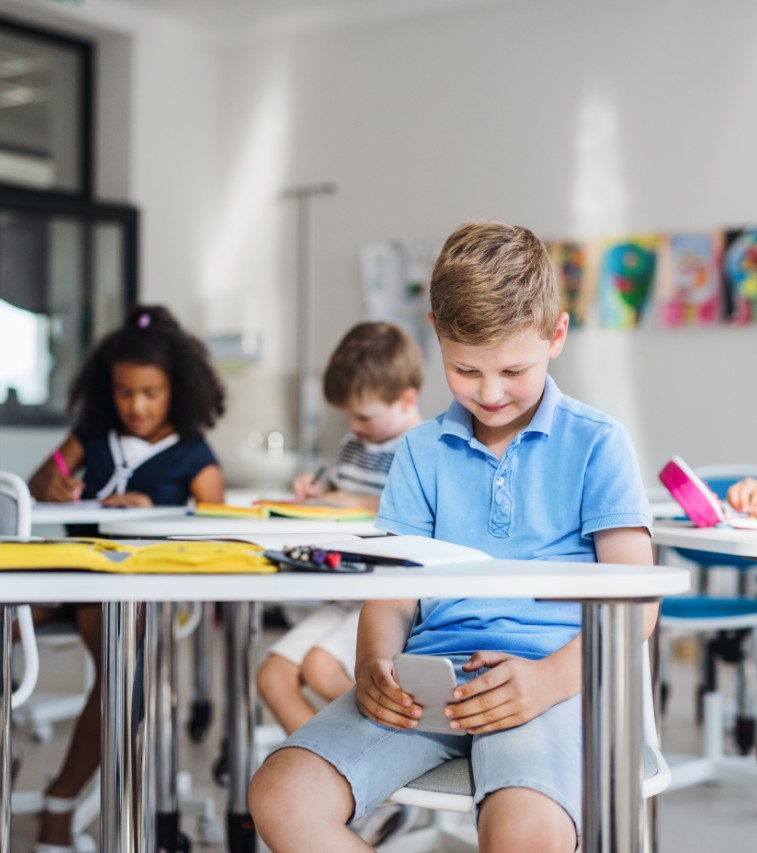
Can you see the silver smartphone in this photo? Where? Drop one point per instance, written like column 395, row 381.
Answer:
column 430, row 681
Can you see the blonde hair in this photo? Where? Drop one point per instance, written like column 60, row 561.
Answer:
column 373, row 360
column 493, row 280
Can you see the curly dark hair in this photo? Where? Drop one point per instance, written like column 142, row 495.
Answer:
column 150, row 336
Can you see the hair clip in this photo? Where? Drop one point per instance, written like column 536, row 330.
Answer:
column 144, row 321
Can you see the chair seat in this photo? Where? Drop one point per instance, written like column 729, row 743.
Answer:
column 455, row 778
column 710, row 612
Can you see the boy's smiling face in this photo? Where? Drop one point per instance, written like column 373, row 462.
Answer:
column 501, row 385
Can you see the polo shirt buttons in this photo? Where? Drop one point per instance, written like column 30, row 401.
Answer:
column 500, row 481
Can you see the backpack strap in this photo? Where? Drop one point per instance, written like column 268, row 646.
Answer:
column 122, row 471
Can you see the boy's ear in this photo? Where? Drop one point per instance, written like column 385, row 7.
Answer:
column 409, row 397
column 431, row 319
column 560, row 335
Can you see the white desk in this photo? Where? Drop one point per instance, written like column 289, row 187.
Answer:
column 716, row 540
column 88, row 513
column 612, row 662
column 183, row 525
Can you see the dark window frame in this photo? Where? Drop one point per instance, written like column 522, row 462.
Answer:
column 27, row 202
column 86, row 50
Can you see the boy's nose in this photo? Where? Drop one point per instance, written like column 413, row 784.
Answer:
column 492, row 391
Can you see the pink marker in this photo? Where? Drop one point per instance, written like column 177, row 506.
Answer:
column 61, row 463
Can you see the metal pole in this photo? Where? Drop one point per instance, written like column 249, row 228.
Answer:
column 309, row 388
column 166, row 740
column 201, row 710
column 146, row 790
column 241, row 831
column 117, row 824
column 5, row 726
column 612, row 728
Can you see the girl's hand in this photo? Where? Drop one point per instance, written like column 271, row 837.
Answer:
column 381, row 699
column 305, row 487
column 512, row 692
column 742, row 496
column 62, row 489
column 128, row 499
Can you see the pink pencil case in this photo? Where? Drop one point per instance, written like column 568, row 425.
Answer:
column 697, row 500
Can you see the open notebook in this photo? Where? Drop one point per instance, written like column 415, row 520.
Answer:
column 698, row 501
column 285, row 509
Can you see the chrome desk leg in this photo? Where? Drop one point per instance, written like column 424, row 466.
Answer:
column 5, row 726
column 166, row 731
column 146, row 792
column 120, row 826
column 239, row 731
column 201, row 711
column 612, row 727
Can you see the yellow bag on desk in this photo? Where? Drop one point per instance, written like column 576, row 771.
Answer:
column 198, row 556
column 92, row 554
column 105, row 555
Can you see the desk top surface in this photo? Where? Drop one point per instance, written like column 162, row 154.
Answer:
column 183, row 524
column 482, row 579
column 92, row 512
column 719, row 540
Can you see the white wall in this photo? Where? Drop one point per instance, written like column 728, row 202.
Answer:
column 573, row 118
column 576, row 119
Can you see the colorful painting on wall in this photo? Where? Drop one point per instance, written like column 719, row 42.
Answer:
column 626, row 276
column 739, row 268
column 576, row 281
column 689, row 284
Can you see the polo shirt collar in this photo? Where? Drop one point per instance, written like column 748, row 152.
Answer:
column 459, row 421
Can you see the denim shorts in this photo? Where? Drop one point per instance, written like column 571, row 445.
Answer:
column 543, row 754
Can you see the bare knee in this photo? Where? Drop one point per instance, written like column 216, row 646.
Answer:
column 281, row 796
column 520, row 819
column 276, row 675
column 322, row 672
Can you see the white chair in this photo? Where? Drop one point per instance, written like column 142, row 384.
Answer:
column 448, row 791
column 723, row 624
column 15, row 520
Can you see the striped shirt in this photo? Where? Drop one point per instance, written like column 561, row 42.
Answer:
column 361, row 466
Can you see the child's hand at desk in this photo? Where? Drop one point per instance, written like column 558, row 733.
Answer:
column 306, row 486
column 742, row 496
column 62, row 489
column 512, row 692
column 128, row 499
column 381, row 699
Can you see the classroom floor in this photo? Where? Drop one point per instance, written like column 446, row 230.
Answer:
column 701, row 819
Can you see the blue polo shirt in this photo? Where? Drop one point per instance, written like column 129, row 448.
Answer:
column 571, row 472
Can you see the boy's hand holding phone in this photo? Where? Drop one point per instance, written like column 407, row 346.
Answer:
column 512, row 692
column 381, row 699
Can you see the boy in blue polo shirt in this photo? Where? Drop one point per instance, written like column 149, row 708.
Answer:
column 518, row 470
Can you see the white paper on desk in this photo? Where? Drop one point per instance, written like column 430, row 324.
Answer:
column 741, row 522
column 276, row 541
column 418, row 549
column 68, row 506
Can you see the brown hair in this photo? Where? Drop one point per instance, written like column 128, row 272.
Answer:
column 373, row 359
column 492, row 280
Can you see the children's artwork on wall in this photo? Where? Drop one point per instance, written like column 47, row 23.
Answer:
column 689, row 284
column 569, row 259
column 396, row 278
column 739, row 268
column 626, row 275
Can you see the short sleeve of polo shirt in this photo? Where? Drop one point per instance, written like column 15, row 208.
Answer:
column 406, row 506
column 613, row 492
